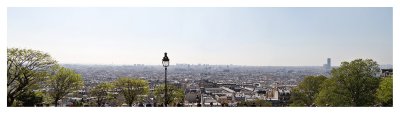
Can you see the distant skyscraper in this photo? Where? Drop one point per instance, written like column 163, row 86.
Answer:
column 328, row 64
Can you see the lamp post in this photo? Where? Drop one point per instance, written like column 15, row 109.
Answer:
column 165, row 62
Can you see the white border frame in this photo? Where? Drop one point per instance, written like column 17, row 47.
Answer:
column 195, row 3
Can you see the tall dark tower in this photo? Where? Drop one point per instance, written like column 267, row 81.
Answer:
column 329, row 62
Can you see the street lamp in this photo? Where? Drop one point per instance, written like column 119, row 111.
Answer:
column 165, row 62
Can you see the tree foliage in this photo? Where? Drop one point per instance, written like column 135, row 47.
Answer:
column 352, row 84
column 333, row 95
column 101, row 92
column 175, row 95
column 25, row 68
column 307, row 91
column 30, row 98
column 131, row 88
column 62, row 82
column 384, row 93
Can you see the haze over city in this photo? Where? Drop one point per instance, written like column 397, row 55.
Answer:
column 241, row 36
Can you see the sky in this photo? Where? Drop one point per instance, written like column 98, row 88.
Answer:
column 253, row 36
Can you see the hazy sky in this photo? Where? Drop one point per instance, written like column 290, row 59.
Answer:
column 242, row 36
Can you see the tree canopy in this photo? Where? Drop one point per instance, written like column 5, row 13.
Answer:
column 384, row 93
column 101, row 92
column 25, row 68
column 131, row 88
column 175, row 95
column 63, row 81
column 352, row 84
column 306, row 92
column 30, row 98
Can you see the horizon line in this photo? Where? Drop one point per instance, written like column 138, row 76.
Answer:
column 208, row 64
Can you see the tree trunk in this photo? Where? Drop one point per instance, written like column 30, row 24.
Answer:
column 99, row 102
column 55, row 102
column 10, row 101
column 130, row 104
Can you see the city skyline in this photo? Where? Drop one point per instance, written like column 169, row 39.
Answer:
column 238, row 36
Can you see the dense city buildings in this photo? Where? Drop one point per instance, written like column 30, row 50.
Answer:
column 204, row 84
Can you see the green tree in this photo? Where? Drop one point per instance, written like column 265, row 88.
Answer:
column 62, row 82
column 132, row 88
column 101, row 92
column 175, row 95
column 46, row 98
column 30, row 98
column 333, row 95
column 384, row 93
column 352, row 84
column 25, row 68
column 307, row 91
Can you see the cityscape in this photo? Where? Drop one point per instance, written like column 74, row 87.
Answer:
column 208, row 83
column 201, row 85
column 200, row 57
